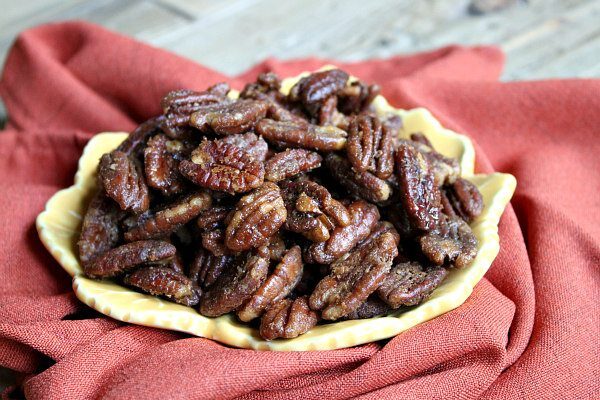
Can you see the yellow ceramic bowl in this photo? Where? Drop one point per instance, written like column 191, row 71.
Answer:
column 59, row 226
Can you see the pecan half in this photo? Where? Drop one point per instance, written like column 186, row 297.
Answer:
column 408, row 284
column 206, row 267
column 465, row 198
column 123, row 181
column 315, row 88
column 161, row 165
column 453, row 242
column 229, row 118
column 370, row 146
column 287, row 319
column 258, row 216
column 164, row 281
column 213, row 218
column 133, row 145
column 357, row 97
column 307, row 136
column 100, row 229
column 290, row 163
column 249, row 143
column 372, row 307
column 354, row 277
column 224, row 167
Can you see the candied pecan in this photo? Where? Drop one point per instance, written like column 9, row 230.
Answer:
column 372, row 307
column 127, row 256
column 235, row 285
column 364, row 217
column 214, row 241
column 278, row 285
column 249, row 143
column 213, row 218
column 168, row 220
column 206, row 267
column 135, row 141
column 123, row 181
column 465, row 198
column 421, row 197
column 290, row 163
column 380, row 228
column 329, row 114
column 164, row 281
column 100, row 229
column 370, row 146
column 161, row 166
column 266, row 87
column 357, row 97
column 361, row 184
column 408, row 284
column 452, row 242
column 276, row 248
column 315, row 88
column 445, row 170
column 257, row 217
column 224, row 167
column 304, row 135
column 229, row 118
column 287, row 319
column 397, row 216
column 354, row 277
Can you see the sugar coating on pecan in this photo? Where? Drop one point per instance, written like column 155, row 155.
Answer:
column 303, row 135
column 100, row 228
column 290, row 163
column 465, row 199
column 288, row 319
column 123, row 181
column 408, row 284
column 358, row 184
column 161, row 165
column 452, row 243
column 254, row 146
column 315, row 88
column 164, row 281
column 229, row 118
column 370, row 146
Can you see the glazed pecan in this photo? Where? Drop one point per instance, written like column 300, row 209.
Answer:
column 258, row 216
column 127, row 256
column 249, row 143
column 370, row 146
column 134, row 144
column 364, row 217
column 267, row 86
column 229, row 117
column 329, row 114
column 164, row 281
column 357, row 97
column 445, row 170
column 161, row 165
column 278, row 285
column 303, row 135
column 465, row 198
column 372, row 307
column 354, row 277
column 206, row 267
column 452, row 242
column 408, row 284
column 123, row 181
column 213, row 218
column 171, row 218
column 287, row 319
column 290, row 163
column 314, row 89
column 235, row 285
column 421, row 197
column 214, row 241
column 224, row 167
column 100, row 229
column 276, row 248
column 360, row 184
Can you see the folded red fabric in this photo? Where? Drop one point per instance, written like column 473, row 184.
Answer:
column 529, row 330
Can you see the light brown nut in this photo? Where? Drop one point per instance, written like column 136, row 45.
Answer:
column 128, row 256
column 100, row 229
column 258, row 216
column 287, row 319
column 164, row 281
column 466, row 200
column 249, row 143
column 278, row 285
column 408, row 284
column 235, row 285
column 360, row 184
column 370, row 146
column 124, row 182
column 306, row 136
column 314, row 89
column 223, row 167
column 451, row 243
column 343, row 239
column 354, row 277
column 290, row 163
column 168, row 220
column 161, row 166
column 229, row 118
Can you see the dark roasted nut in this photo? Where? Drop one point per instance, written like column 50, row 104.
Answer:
column 224, row 167
column 164, row 281
column 465, row 199
column 314, row 89
column 124, row 182
column 364, row 217
column 453, row 242
column 214, row 241
column 370, row 146
column 258, row 216
column 445, row 170
column 161, row 166
column 329, row 114
column 290, row 163
column 249, row 143
column 408, row 284
column 360, row 184
column 354, row 277
column 213, row 218
column 100, row 229
column 357, row 97
column 168, row 220
column 397, row 216
column 278, row 285
column 206, row 267
column 372, row 307
column 287, row 319
column 134, row 143
column 128, row 256
column 307, row 136
column 266, row 87
column 229, row 118
column 421, row 197
column 235, row 285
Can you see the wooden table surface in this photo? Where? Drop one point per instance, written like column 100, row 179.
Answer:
column 542, row 38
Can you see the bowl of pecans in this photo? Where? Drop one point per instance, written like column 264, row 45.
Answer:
column 298, row 214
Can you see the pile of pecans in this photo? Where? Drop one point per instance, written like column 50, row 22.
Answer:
column 284, row 209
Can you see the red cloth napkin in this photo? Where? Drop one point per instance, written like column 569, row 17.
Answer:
column 529, row 330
